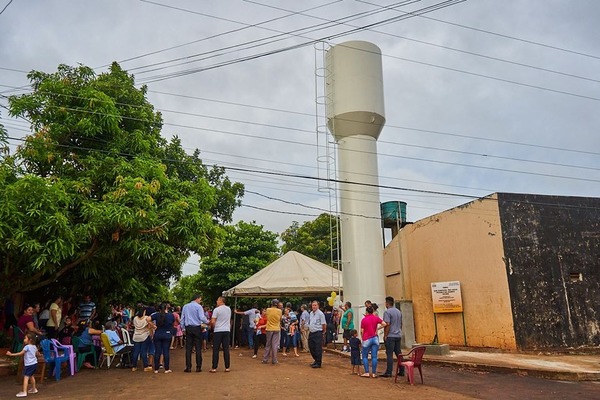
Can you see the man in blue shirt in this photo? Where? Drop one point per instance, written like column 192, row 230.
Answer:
column 317, row 325
column 119, row 347
column 192, row 317
column 392, row 334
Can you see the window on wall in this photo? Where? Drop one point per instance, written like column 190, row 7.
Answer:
column 576, row 276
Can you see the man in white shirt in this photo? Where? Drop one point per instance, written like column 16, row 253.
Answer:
column 221, row 323
column 251, row 314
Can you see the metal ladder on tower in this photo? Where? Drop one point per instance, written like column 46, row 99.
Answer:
column 326, row 155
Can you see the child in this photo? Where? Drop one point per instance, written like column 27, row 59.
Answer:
column 293, row 339
column 354, row 343
column 30, row 353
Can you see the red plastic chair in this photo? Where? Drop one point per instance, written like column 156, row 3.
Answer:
column 410, row 361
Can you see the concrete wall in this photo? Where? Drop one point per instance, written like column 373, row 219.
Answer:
column 462, row 244
column 552, row 250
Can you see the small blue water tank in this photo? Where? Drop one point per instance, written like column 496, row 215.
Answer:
column 392, row 213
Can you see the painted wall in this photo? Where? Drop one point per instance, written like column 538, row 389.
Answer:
column 552, row 249
column 462, row 244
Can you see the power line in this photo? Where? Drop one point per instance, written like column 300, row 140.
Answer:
column 308, row 177
column 428, row 9
column 312, row 145
column 497, row 34
column 387, row 125
column 6, row 6
column 246, row 26
column 394, row 8
column 268, row 40
column 379, row 141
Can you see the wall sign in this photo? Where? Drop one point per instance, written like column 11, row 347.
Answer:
column 446, row 297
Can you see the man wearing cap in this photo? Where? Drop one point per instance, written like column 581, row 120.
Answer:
column 273, row 332
column 317, row 325
column 192, row 316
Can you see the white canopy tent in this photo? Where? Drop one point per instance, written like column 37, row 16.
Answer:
column 293, row 274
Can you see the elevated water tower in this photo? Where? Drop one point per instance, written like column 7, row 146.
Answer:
column 355, row 117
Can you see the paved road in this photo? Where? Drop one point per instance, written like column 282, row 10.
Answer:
column 293, row 379
column 499, row 386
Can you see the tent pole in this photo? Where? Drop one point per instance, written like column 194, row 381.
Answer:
column 234, row 324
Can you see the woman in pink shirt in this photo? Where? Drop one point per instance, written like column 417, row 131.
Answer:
column 370, row 341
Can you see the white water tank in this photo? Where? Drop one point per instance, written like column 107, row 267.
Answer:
column 355, row 112
column 354, row 89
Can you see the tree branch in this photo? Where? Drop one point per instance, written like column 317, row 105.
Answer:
column 155, row 229
column 30, row 285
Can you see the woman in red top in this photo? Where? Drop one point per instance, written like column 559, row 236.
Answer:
column 260, row 333
column 25, row 322
column 370, row 341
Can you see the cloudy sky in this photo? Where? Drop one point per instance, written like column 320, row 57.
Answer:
column 480, row 95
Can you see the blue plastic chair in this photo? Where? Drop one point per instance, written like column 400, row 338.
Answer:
column 51, row 356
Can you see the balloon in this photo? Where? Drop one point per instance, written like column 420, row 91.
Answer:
column 331, row 299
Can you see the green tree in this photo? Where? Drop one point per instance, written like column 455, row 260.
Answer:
column 96, row 199
column 313, row 238
column 185, row 288
column 247, row 248
column 3, row 142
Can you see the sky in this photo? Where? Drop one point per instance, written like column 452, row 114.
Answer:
column 481, row 96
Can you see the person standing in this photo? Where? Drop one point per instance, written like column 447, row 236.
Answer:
column 178, row 337
column 370, row 341
column 220, row 323
column 392, row 334
column 44, row 316
column 162, row 337
column 304, row 331
column 347, row 324
column 86, row 310
column 29, row 353
column 318, row 328
column 261, row 332
column 250, row 331
column 53, row 323
column 192, row 316
column 141, row 338
column 273, row 332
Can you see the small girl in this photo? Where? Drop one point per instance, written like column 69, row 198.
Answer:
column 30, row 353
column 355, row 344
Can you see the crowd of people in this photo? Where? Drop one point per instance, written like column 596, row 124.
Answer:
column 156, row 330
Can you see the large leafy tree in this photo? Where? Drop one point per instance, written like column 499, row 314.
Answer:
column 247, row 248
column 96, row 199
column 314, row 238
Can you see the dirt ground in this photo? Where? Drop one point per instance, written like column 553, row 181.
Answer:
column 292, row 378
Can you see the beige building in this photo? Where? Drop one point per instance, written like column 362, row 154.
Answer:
column 503, row 251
